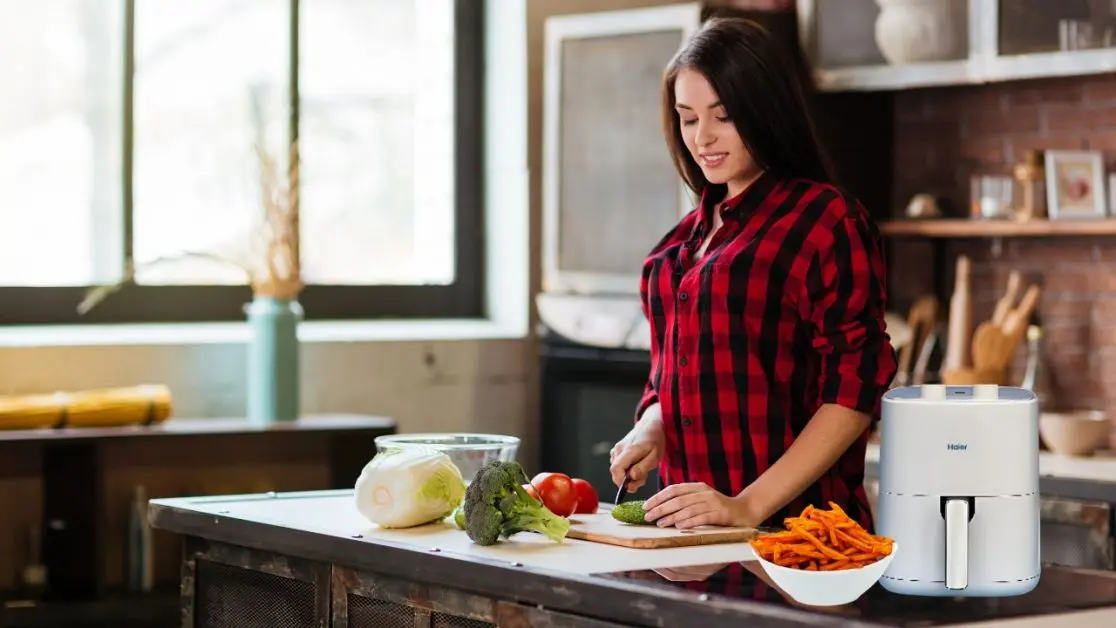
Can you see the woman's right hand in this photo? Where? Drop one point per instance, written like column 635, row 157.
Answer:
column 639, row 452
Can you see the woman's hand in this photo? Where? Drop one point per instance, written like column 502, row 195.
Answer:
column 638, row 453
column 693, row 573
column 696, row 504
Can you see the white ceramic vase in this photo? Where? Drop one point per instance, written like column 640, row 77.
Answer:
column 913, row 31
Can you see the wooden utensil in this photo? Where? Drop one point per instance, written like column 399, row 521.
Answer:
column 921, row 320
column 602, row 528
column 1015, row 322
column 972, row 377
column 1011, row 293
column 960, row 329
column 922, row 363
column 990, row 348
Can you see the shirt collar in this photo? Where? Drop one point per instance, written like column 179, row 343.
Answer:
column 741, row 205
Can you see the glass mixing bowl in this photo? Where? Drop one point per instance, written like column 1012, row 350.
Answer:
column 469, row 452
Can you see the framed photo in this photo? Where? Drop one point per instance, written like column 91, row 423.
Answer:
column 1075, row 184
column 610, row 189
column 1112, row 194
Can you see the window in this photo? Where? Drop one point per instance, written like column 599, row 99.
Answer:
column 127, row 130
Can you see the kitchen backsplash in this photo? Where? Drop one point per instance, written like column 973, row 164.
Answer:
column 942, row 135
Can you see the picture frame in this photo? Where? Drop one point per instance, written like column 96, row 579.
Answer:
column 1112, row 194
column 609, row 187
column 1075, row 185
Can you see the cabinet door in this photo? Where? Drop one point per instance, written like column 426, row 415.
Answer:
column 510, row 615
column 867, row 33
column 1034, row 26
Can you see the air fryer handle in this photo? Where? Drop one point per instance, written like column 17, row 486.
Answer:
column 957, row 513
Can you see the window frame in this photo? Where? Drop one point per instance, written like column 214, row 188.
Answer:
column 464, row 298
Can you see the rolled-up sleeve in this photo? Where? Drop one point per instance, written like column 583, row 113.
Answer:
column 844, row 301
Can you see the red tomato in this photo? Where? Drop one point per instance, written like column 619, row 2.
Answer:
column 557, row 492
column 531, row 491
column 587, row 500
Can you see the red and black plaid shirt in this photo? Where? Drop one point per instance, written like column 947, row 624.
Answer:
column 783, row 313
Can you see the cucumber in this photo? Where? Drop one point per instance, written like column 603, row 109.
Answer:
column 631, row 512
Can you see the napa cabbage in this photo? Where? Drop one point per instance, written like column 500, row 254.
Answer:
column 409, row 486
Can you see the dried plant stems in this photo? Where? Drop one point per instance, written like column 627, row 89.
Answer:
column 270, row 260
column 279, row 275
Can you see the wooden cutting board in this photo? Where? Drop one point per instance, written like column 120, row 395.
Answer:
column 602, row 528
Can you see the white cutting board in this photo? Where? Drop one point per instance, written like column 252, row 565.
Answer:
column 335, row 514
column 602, row 528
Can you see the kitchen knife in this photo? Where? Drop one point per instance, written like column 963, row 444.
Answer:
column 622, row 492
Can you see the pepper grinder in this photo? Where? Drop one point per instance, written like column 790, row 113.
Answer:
column 1030, row 187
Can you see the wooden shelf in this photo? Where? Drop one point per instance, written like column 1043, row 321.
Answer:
column 973, row 71
column 331, row 423
column 896, row 77
column 952, row 228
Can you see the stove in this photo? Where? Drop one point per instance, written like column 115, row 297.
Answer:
column 1061, row 590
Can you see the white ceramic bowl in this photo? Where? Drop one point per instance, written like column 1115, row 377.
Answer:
column 1075, row 433
column 827, row 588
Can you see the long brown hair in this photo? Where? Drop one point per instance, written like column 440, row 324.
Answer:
column 761, row 94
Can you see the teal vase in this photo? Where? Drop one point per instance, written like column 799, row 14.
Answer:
column 273, row 360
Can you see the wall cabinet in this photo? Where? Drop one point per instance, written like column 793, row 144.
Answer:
column 897, row 44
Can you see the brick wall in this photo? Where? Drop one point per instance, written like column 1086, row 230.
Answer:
column 942, row 136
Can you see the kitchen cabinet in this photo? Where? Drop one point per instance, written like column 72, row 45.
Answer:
column 1078, row 533
column 86, row 477
column 857, row 45
column 273, row 562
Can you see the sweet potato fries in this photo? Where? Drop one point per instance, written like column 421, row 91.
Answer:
column 822, row 540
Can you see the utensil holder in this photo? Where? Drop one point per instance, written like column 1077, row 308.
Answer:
column 972, row 377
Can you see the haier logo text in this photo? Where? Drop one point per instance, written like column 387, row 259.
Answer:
column 956, row 446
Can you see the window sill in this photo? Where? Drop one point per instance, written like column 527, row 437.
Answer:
column 233, row 333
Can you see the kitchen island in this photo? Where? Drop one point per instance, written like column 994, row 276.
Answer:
column 309, row 559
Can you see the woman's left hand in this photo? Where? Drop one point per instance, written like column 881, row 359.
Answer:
column 694, row 504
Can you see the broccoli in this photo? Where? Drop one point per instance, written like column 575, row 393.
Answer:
column 631, row 512
column 497, row 505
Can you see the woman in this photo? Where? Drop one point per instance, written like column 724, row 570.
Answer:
column 769, row 354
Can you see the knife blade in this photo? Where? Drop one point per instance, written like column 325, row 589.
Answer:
column 621, row 492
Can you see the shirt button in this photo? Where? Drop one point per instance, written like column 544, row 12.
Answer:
column 686, row 422
column 683, row 360
column 683, row 296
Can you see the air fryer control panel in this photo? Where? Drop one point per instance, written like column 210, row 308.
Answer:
column 959, row 440
column 940, row 392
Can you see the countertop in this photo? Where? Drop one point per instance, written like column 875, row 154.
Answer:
column 719, row 585
column 1090, row 478
column 187, row 427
